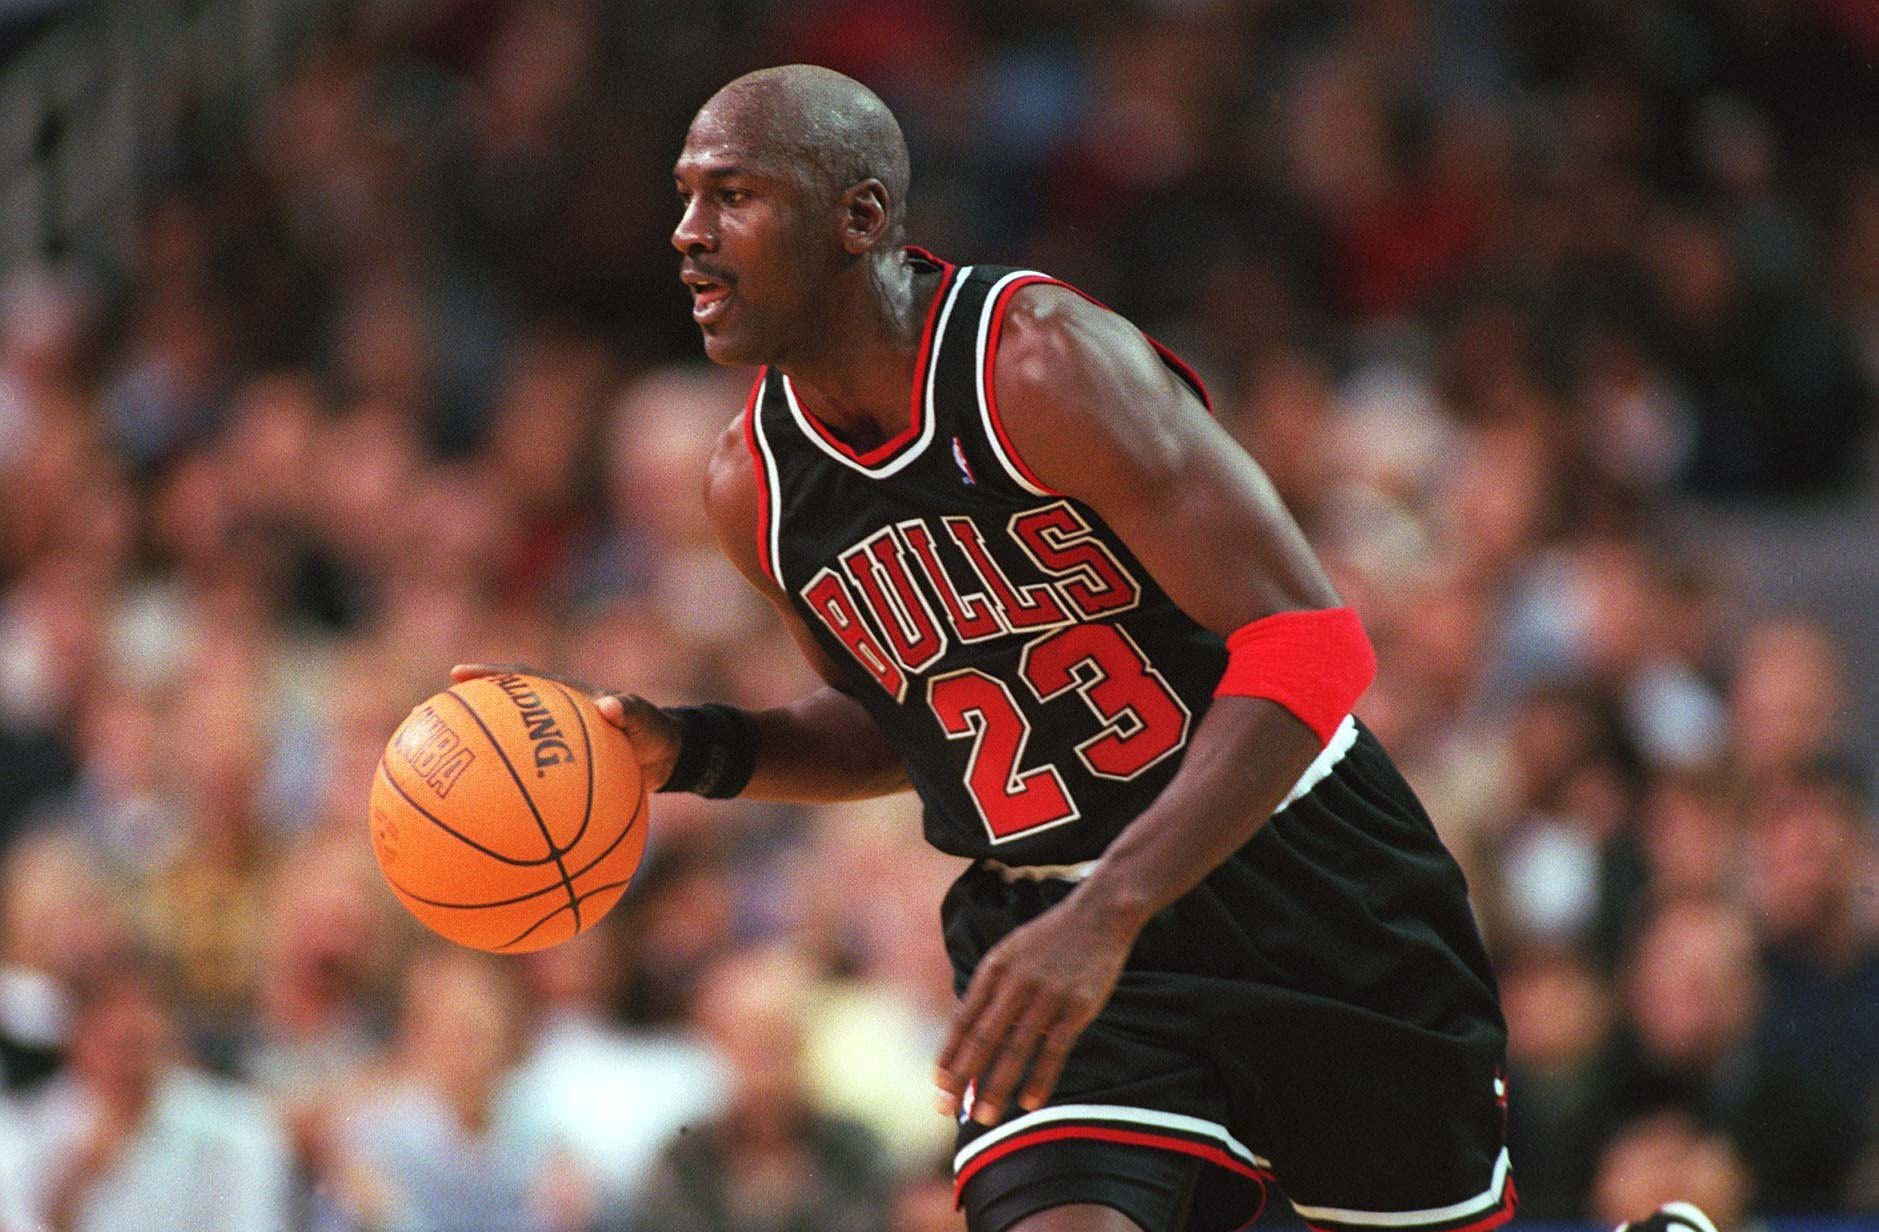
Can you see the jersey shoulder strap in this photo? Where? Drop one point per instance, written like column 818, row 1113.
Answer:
column 964, row 379
column 759, row 431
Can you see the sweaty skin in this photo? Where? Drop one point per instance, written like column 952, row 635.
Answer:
column 796, row 261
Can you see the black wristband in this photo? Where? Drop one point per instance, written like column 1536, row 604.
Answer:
column 717, row 751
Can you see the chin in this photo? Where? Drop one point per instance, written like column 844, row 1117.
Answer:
column 732, row 351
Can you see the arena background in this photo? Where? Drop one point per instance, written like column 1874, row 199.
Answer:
column 340, row 342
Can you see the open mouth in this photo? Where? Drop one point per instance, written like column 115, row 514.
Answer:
column 709, row 297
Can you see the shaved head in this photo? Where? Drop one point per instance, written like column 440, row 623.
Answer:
column 794, row 182
column 835, row 131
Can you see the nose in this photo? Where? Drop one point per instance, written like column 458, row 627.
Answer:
column 693, row 231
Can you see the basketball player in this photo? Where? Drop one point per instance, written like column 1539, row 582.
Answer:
column 1208, row 939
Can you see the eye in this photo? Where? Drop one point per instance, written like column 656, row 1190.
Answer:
column 733, row 196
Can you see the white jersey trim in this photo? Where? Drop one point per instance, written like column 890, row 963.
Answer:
column 1404, row 1219
column 1109, row 1112
column 1320, row 769
column 772, row 481
column 900, row 461
column 978, row 382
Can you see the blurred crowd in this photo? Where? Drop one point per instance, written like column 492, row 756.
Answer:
column 1502, row 294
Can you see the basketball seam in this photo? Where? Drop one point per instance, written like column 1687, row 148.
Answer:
column 587, row 809
column 587, row 747
column 522, row 898
column 572, row 902
column 554, row 853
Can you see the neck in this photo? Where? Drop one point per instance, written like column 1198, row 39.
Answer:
column 858, row 373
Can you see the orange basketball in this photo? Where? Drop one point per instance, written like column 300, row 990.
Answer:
column 507, row 814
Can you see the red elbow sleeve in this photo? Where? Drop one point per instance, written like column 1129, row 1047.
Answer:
column 1314, row 663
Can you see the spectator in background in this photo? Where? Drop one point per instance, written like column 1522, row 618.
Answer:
column 51, row 629
column 880, row 1015
column 47, row 319
column 120, row 804
column 680, row 920
column 1692, row 992
column 50, row 449
column 610, row 1098
column 1768, row 372
column 172, row 389
column 424, row 1147
column 130, row 1138
column 1565, row 1099
column 324, row 947
column 1788, row 697
column 1713, row 1040
column 1690, row 840
column 1564, row 865
column 61, row 925
column 769, row 1164
column 1811, row 882
column 1667, row 1157
column 204, row 908
column 316, row 1030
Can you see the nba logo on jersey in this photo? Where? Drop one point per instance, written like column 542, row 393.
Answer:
column 965, row 467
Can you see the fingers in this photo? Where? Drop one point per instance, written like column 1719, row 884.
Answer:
column 627, row 711
column 475, row 671
column 1004, row 1027
column 611, row 709
column 635, row 709
column 968, row 1042
column 1049, row 1063
column 652, row 732
column 1013, row 1058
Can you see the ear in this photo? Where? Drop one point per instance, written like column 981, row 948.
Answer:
column 865, row 210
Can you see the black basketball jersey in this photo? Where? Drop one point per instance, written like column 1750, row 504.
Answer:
column 1038, row 684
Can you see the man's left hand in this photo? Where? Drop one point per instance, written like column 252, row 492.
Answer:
column 1032, row 995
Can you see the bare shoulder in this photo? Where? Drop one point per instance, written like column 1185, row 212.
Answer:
column 1096, row 413
column 731, row 500
column 730, row 480
column 1085, row 397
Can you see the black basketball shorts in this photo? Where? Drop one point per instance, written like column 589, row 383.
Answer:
column 1317, row 1016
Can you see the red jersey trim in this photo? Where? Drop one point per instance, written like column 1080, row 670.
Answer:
column 1180, row 366
column 916, row 412
column 1128, row 1137
column 996, row 328
column 760, row 466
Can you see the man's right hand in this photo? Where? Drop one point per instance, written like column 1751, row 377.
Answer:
column 652, row 732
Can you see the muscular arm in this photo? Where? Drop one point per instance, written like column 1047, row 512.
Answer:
column 1095, row 414
column 824, row 746
column 1098, row 416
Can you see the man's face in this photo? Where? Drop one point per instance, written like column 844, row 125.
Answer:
column 121, row 1042
column 749, row 235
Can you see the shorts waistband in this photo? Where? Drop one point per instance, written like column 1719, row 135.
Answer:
column 1341, row 741
column 1041, row 872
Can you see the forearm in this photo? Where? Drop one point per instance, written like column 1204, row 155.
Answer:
column 823, row 747
column 1244, row 758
